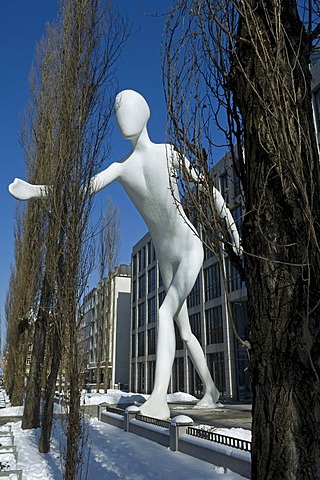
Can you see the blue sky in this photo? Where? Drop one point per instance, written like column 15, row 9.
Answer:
column 22, row 24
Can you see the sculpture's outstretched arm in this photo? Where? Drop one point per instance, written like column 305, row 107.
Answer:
column 24, row 191
column 104, row 178
column 224, row 213
column 220, row 204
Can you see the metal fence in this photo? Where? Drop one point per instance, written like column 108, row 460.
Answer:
column 117, row 410
column 153, row 421
column 218, row 438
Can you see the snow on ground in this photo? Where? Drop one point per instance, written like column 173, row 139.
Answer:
column 118, row 397
column 11, row 412
column 233, row 432
column 109, row 452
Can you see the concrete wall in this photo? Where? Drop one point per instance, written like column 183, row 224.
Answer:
column 151, row 432
column 236, row 460
column 112, row 419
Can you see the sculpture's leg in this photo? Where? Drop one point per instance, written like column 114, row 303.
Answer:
column 156, row 405
column 177, row 291
column 211, row 393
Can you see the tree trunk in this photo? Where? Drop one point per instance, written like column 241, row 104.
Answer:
column 19, row 372
column 73, row 455
column 74, row 432
column 108, row 330
column 47, row 412
column 31, row 413
column 281, row 237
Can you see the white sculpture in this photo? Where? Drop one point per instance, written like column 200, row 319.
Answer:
column 144, row 174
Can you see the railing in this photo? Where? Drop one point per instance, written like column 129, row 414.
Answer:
column 218, row 438
column 117, row 410
column 153, row 421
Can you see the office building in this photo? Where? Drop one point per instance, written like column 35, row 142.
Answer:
column 104, row 331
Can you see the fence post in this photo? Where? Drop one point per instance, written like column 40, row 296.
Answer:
column 129, row 414
column 101, row 407
column 178, row 426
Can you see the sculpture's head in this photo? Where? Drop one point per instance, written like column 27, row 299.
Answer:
column 132, row 113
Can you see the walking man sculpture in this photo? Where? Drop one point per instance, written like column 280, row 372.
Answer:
column 145, row 176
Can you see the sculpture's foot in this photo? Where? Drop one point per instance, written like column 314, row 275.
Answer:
column 209, row 400
column 155, row 408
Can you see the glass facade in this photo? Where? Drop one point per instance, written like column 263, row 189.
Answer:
column 151, row 341
column 194, row 297
column 152, row 310
column 152, row 280
column 214, row 325
column 212, row 282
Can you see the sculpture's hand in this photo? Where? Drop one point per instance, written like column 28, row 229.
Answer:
column 24, row 191
column 224, row 213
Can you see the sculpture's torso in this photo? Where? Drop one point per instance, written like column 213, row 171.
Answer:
column 145, row 177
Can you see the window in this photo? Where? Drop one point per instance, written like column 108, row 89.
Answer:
column 142, row 259
column 151, row 341
column 142, row 286
column 217, row 370
column 194, row 296
column 234, row 278
column 178, row 375
column 141, row 377
column 134, row 290
column 214, row 326
column 152, row 310
column 151, row 370
column 208, row 240
column 133, row 378
column 316, row 97
column 151, row 253
column 141, row 350
column 133, row 318
column 195, row 383
column 133, row 346
column 152, row 280
column 224, row 187
column 195, row 324
column 236, row 183
column 134, row 265
column 141, row 314
column 212, row 282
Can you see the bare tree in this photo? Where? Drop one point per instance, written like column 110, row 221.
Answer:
column 86, row 46
column 38, row 138
column 17, row 328
column 244, row 67
column 108, row 250
column 113, row 246
column 72, row 94
column 22, row 297
column 109, row 239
